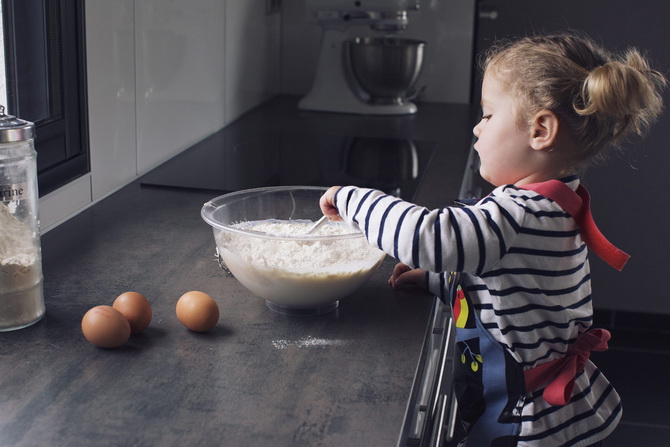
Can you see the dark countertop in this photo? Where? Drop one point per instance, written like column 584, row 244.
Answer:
column 258, row 378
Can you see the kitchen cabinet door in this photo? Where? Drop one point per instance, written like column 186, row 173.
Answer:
column 630, row 203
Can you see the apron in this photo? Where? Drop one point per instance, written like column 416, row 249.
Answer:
column 489, row 385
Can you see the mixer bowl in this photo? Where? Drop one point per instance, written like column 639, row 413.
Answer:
column 259, row 235
column 386, row 67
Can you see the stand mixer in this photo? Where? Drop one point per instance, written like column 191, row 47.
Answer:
column 335, row 88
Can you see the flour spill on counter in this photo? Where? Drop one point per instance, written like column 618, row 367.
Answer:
column 308, row 342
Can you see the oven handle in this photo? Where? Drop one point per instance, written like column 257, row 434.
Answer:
column 444, row 360
column 439, row 438
column 429, row 401
column 444, row 396
column 453, row 414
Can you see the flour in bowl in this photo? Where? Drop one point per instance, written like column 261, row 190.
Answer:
column 296, row 254
column 297, row 272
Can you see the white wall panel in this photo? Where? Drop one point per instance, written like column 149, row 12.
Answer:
column 110, row 57
column 253, row 54
column 179, row 47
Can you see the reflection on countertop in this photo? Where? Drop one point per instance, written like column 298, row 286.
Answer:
column 229, row 162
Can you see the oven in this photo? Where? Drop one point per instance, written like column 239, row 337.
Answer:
column 431, row 416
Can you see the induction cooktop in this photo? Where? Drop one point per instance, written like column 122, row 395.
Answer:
column 232, row 161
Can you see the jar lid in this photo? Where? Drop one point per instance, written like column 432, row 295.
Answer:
column 14, row 129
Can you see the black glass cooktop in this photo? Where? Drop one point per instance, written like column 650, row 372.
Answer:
column 228, row 161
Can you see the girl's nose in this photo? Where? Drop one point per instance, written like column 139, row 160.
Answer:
column 477, row 129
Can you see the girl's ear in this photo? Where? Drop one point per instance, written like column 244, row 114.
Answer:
column 543, row 130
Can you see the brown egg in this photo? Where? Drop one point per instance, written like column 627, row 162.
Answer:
column 105, row 327
column 197, row 311
column 137, row 310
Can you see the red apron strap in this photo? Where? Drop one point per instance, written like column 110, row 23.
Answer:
column 578, row 205
column 560, row 373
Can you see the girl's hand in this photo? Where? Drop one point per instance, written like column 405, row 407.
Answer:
column 327, row 203
column 405, row 275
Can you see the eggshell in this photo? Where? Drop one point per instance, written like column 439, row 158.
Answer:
column 137, row 310
column 105, row 327
column 197, row 311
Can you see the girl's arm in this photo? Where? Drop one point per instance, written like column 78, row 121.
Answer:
column 463, row 239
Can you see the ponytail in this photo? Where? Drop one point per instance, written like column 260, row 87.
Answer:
column 624, row 94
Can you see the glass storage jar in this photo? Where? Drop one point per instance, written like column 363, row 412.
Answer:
column 21, row 292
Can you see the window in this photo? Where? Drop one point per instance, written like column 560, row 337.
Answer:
column 43, row 81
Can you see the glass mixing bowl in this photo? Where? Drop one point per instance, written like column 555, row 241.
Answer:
column 260, row 238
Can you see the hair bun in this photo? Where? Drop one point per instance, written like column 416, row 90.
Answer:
column 625, row 91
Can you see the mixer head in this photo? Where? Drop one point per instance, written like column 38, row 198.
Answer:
column 381, row 15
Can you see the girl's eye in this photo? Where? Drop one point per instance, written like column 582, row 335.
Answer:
column 486, row 117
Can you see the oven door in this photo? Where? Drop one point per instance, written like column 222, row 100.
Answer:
column 430, row 417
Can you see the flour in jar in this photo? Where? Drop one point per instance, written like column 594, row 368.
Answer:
column 21, row 299
column 293, row 253
column 17, row 249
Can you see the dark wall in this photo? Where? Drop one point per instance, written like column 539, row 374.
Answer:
column 631, row 203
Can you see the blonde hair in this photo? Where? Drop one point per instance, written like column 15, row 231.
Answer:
column 601, row 97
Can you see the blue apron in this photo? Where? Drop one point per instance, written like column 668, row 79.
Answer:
column 488, row 382
column 490, row 386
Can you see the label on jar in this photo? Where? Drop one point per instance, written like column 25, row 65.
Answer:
column 18, row 191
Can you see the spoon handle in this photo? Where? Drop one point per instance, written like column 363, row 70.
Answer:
column 318, row 224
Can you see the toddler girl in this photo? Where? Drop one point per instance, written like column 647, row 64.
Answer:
column 514, row 266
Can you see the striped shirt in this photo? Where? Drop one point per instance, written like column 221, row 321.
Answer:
column 525, row 267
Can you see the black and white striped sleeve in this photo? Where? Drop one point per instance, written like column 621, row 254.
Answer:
column 468, row 239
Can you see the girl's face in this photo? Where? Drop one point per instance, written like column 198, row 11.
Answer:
column 503, row 148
